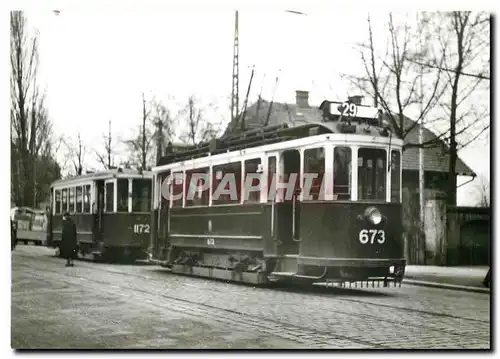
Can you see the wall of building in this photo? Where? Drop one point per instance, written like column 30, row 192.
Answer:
column 415, row 242
column 435, row 222
column 468, row 236
column 455, row 236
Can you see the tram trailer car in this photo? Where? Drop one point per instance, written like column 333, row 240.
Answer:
column 348, row 231
column 111, row 210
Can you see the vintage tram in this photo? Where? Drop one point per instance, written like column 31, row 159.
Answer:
column 111, row 210
column 323, row 203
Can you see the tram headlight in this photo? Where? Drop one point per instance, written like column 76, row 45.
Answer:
column 374, row 215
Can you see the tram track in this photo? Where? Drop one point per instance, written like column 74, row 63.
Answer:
column 238, row 320
column 316, row 290
column 460, row 326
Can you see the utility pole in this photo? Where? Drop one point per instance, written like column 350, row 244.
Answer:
column 236, row 71
column 421, row 169
column 143, row 145
column 34, row 180
column 242, row 119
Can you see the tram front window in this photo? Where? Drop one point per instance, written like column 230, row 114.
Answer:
column 342, row 173
column 314, row 165
column 141, row 195
column 372, row 174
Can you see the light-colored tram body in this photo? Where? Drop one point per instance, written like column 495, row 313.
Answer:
column 111, row 209
column 349, row 231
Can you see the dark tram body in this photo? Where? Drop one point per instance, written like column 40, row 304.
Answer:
column 323, row 204
column 111, row 210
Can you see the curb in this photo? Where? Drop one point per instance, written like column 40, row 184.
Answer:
column 446, row 286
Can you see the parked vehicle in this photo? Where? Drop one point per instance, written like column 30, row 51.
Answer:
column 30, row 225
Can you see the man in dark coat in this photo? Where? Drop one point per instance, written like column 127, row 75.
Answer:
column 68, row 240
column 13, row 235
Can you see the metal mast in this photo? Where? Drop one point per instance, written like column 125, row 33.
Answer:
column 236, row 71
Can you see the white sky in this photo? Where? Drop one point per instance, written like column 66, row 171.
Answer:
column 96, row 60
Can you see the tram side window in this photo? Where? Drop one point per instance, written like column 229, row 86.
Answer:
column 197, row 189
column 372, row 174
column 122, row 195
column 64, row 200
column 271, row 180
column 395, row 176
column 79, row 200
column 110, row 196
column 226, row 184
column 314, row 165
column 58, row 201
column 342, row 173
column 176, row 189
column 141, row 195
column 252, row 180
column 72, row 200
column 86, row 199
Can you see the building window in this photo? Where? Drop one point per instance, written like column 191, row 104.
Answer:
column 122, row 195
column 372, row 174
column 79, row 200
column 342, row 173
column 86, row 199
column 141, row 195
column 395, row 176
column 314, row 165
column 58, row 201
column 110, row 197
column 226, row 188
column 252, row 180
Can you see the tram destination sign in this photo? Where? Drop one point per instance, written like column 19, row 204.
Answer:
column 350, row 109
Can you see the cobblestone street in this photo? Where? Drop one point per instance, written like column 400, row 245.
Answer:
column 97, row 305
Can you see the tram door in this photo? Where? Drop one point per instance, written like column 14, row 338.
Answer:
column 289, row 210
column 98, row 211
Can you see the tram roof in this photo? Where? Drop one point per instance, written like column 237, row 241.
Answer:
column 310, row 122
column 292, row 117
column 104, row 175
column 436, row 158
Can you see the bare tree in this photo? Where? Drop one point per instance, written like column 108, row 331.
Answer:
column 164, row 126
column 392, row 80
column 464, row 37
column 197, row 127
column 31, row 129
column 157, row 128
column 450, row 62
column 77, row 151
column 483, row 192
column 106, row 159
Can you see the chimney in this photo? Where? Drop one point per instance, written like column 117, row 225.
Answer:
column 302, row 98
